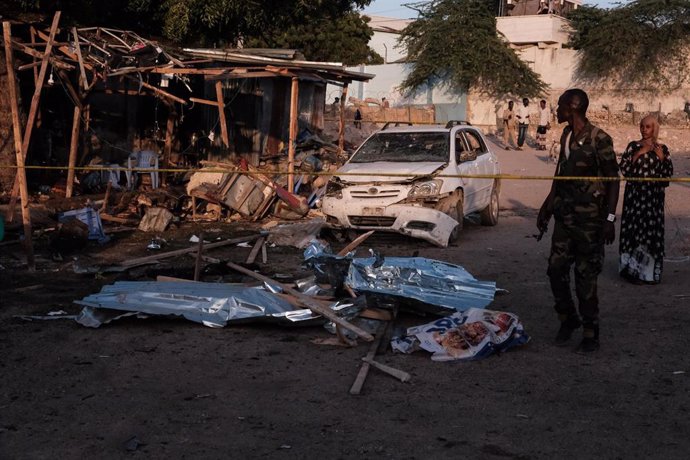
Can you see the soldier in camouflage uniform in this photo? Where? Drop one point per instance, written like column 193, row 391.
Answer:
column 584, row 213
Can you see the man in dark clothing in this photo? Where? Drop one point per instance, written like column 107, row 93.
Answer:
column 584, row 213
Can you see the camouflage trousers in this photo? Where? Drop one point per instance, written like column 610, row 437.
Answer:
column 580, row 244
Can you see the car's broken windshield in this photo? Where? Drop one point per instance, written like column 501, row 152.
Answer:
column 404, row 147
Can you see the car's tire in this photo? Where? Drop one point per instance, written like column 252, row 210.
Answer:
column 456, row 211
column 489, row 215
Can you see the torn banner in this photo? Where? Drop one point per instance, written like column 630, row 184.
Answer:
column 464, row 336
column 211, row 304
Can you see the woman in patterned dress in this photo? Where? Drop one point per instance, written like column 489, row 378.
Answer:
column 642, row 225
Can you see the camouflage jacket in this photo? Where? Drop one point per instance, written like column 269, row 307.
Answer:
column 591, row 155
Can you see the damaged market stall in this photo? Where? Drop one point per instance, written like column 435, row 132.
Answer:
column 169, row 108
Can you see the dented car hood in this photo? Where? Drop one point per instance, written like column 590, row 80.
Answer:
column 400, row 171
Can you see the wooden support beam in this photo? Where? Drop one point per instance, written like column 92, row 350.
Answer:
column 73, row 147
column 167, row 149
column 204, row 101
column 341, row 122
column 33, row 111
column 65, row 49
column 17, row 131
column 292, row 142
column 64, row 78
column 221, row 112
column 80, row 60
column 187, row 71
column 157, row 91
column 308, row 302
column 32, row 30
column 58, row 64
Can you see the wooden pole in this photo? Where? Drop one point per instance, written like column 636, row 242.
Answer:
column 73, row 147
column 292, row 143
column 308, row 302
column 167, row 149
column 341, row 123
column 221, row 111
column 17, row 131
column 82, row 72
column 33, row 111
column 33, row 59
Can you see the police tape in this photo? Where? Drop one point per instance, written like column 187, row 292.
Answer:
column 345, row 174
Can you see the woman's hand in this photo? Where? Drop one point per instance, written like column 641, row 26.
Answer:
column 659, row 150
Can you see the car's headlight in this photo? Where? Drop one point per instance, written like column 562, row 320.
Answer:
column 334, row 188
column 425, row 189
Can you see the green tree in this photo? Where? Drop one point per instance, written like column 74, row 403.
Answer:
column 329, row 30
column 645, row 42
column 454, row 43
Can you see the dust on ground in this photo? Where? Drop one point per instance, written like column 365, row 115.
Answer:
column 257, row 391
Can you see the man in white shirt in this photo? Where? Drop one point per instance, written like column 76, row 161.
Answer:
column 544, row 125
column 523, row 122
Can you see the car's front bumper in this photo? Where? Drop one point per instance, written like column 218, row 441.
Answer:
column 415, row 221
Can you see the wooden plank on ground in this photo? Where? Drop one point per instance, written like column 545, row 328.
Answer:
column 356, row 387
column 255, row 250
column 165, row 255
column 397, row 373
column 356, row 242
column 309, row 303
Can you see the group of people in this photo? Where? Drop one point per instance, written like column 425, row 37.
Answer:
column 584, row 212
column 521, row 119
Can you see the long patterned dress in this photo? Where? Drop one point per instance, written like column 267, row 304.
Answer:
column 642, row 225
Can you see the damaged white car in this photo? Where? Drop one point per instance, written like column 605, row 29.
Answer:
column 412, row 180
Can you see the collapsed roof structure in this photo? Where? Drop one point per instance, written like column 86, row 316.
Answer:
column 250, row 102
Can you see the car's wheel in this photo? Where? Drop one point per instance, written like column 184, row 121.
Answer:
column 454, row 209
column 489, row 215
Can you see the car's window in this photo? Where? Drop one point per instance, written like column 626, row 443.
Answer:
column 404, row 147
column 475, row 141
column 459, row 146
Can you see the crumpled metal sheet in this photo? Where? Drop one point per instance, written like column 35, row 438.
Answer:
column 211, row 304
column 444, row 286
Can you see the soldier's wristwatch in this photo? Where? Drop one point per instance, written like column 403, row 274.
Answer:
column 611, row 217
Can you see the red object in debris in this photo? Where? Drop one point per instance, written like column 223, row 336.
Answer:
column 244, row 166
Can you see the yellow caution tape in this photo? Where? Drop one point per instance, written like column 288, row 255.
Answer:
column 360, row 174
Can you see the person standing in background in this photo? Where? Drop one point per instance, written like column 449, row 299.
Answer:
column 523, row 122
column 642, row 223
column 544, row 125
column 509, row 126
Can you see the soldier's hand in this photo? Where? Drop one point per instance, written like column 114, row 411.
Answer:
column 609, row 232
column 543, row 219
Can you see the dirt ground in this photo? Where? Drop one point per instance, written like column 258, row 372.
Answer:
column 187, row 391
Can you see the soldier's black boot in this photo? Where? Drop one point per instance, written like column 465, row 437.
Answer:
column 590, row 337
column 568, row 324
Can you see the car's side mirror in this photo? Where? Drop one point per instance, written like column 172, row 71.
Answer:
column 467, row 156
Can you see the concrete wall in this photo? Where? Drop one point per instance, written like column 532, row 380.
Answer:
column 547, row 28
column 557, row 68
column 388, row 79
